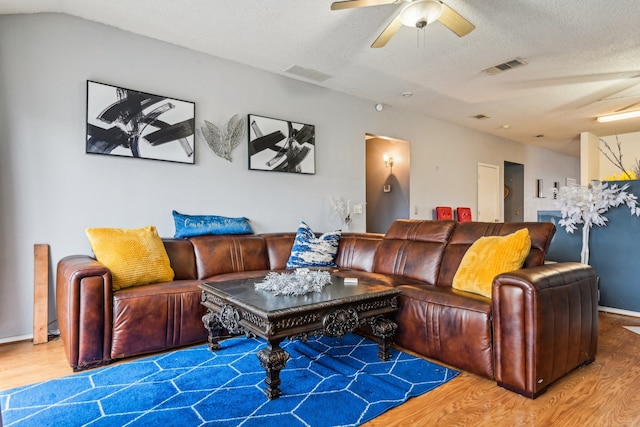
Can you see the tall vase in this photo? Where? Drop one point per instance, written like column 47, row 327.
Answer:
column 584, row 254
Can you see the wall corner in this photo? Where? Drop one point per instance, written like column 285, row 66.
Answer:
column 589, row 158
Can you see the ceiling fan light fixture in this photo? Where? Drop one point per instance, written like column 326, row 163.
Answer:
column 420, row 13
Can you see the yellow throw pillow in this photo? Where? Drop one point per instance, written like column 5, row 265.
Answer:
column 488, row 257
column 135, row 256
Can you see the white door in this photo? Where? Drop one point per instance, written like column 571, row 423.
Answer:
column 489, row 192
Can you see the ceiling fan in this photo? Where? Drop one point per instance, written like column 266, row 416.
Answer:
column 416, row 13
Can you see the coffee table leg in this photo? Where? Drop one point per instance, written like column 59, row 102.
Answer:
column 213, row 325
column 384, row 329
column 273, row 359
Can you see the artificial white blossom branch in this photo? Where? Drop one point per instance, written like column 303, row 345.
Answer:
column 587, row 206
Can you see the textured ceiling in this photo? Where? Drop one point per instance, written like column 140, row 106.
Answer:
column 583, row 55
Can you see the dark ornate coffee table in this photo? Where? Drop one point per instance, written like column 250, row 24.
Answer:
column 239, row 308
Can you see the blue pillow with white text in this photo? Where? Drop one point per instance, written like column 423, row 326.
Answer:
column 198, row 225
column 311, row 251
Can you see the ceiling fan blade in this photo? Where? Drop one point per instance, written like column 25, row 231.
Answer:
column 455, row 22
column 350, row 4
column 388, row 32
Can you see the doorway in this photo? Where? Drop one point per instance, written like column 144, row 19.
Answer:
column 489, row 193
column 513, row 192
column 387, row 181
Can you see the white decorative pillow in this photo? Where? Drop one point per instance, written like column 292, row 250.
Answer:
column 311, row 251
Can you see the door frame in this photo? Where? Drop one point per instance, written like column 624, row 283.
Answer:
column 492, row 195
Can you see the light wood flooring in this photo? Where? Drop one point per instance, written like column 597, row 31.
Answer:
column 605, row 393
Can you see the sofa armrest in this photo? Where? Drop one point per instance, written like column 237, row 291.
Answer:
column 545, row 324
column 84, row 301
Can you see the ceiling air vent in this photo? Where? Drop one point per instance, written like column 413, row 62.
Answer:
column 307, row 73
column 497, row 69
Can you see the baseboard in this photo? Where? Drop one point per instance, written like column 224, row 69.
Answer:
column 619, row 311
column 16, row 338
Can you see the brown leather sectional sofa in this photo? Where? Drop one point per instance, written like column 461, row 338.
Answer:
column 540, row 323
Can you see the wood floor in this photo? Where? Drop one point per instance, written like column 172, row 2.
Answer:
column 605, row 393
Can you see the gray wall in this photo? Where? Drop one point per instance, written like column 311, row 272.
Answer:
column 50, row 190
column 385, row 207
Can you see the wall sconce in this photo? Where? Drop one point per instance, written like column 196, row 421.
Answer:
column 388, row 161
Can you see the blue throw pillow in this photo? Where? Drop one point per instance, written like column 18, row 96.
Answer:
column 311, row 251
column 197, row 225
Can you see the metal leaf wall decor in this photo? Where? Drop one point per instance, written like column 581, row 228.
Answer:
column 222, row 142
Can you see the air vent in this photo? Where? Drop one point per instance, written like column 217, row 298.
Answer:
column 308, row 73
column 505, row 66
column 480, row 117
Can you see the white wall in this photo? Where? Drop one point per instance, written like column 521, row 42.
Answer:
column 50, row 190
column 447, row 173
column 589, row 158
column 594, row 164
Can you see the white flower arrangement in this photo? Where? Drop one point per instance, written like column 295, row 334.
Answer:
column 587, row 206
column 343, row 210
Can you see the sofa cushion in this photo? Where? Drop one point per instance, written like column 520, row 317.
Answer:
column 135, row 256
column 199, row 225
column 227, row 254
column 448, row 325
column 413, row 249
column 488, row 257
column 157, row 317
column 279, row 248
column 311, row 251
column 466, row 233
column 182, row 258
column 357, row 251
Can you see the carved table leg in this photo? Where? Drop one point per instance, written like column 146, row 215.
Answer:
column 384, row 329
column 273, row 359
column 212, row 323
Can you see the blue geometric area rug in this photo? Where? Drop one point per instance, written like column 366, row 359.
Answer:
column 326, row 382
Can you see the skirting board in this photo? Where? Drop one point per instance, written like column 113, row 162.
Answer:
column 18, row 338
column 619, row 311
column 28, row 337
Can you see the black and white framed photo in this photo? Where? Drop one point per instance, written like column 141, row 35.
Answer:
column 129, row 123
column 281, row 145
